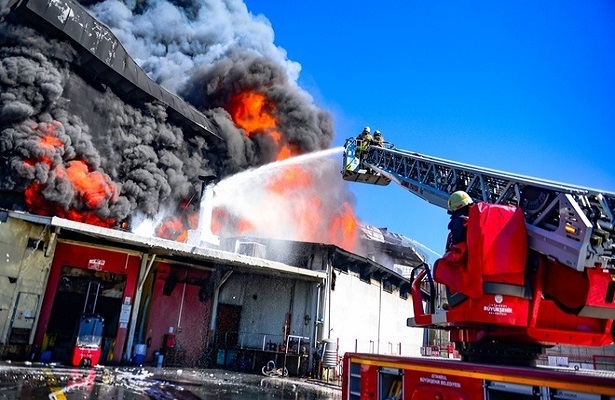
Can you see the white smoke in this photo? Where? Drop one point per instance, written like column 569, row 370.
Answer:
column 170, row 41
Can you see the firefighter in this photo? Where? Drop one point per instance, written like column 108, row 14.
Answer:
column 459, row 203
column 364, row 140
column 365, row 136
column 455, row 255
column 378, row 139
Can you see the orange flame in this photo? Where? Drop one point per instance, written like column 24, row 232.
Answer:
column 91, row 189
column 344, row 228
column 92, row 186
column 254, row 113
column 176, row 227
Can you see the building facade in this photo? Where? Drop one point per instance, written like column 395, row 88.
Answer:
column 194, row 306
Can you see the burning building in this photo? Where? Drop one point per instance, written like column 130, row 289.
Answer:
column 89, row 137
column 99, row 174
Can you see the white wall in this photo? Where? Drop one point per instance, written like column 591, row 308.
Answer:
column 366, row 319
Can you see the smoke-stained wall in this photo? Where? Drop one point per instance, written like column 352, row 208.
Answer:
column 265, row 301
column 23, row 274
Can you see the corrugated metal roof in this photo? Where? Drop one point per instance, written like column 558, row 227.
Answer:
column 169, row 248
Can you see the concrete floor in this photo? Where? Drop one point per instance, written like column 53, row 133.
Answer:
column 48, row 381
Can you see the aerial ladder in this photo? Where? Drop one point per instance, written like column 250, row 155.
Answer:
column 564, row 294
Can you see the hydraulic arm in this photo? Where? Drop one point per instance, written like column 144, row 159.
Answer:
column 574, row 225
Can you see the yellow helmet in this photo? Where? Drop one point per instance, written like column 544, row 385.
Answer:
column 458, row 200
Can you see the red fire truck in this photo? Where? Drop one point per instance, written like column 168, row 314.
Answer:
column 372, row 376
column 537, row 269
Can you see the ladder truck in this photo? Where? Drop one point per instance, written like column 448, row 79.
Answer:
column 541, row 253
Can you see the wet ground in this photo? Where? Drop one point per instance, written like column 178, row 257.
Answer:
column 48, row 381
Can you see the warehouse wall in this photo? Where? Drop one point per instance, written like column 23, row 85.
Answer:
column 23, row 275
column 368, row 319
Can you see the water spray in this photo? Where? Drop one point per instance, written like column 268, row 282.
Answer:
column 203, row 235
column 246, row 195
column 254, row 173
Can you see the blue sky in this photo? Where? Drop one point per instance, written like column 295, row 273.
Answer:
column 520, row 86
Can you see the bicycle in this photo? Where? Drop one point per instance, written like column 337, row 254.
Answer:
column 270, row 369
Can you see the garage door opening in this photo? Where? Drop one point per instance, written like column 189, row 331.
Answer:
column 82, row 291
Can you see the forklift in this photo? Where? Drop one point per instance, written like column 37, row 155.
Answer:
column 88, row 335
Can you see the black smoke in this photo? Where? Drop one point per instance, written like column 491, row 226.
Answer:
column 149, row 160
column 303, row 125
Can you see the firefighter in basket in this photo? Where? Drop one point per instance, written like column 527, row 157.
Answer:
column 378, row 139
column 364, row 140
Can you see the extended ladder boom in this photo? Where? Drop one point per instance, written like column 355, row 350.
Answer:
column 572, row 224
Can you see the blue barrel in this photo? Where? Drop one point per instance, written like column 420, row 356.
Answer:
column 138, row 356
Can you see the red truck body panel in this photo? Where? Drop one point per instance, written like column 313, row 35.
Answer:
column 379, row 377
